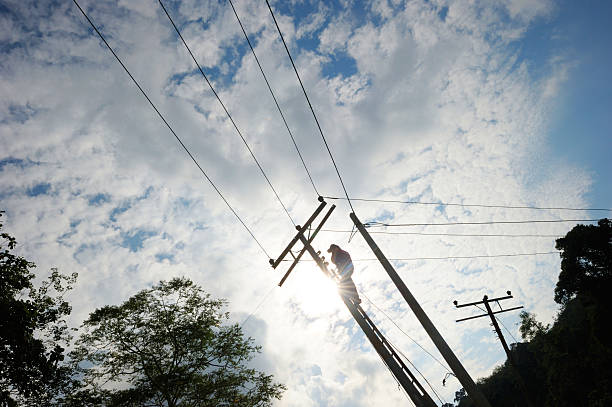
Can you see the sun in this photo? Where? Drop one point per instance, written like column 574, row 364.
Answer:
column 316, row 293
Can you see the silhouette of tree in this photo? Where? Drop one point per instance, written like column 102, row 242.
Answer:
column 586, row 264
column 33, row 331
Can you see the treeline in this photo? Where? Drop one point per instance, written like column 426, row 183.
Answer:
column 568, row 363
column 168, row 345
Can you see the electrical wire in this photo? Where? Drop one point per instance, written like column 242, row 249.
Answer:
column 274, row 97
column 398, row 350
column 498, row 320
column 408, row 336
column 451, row 257
column 472, row 205
column 507, row 330
column 399, row 386
column 265, row 297
column 504, row 222
column 310, row 105
column 170, row 127
column 227, row 113
column 403, row 355
column 445, row 234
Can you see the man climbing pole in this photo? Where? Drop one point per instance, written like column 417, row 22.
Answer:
column 344, row 264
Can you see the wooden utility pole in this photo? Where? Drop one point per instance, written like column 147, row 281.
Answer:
column 485, row 301
column 392, row 360
column 462, row 375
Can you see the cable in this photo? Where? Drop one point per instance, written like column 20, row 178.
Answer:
column 498, row 320
column 398, row 350
column 265, row 297
column 408, row 336
column 507, row 330
column 453, row 257
column 472, row 205
column 274, row 97
column 444, row 234
column 399, row 386
column 403, row 355
column 169, row 127
column 227, row 112
column 505, row 222
column 310, row 105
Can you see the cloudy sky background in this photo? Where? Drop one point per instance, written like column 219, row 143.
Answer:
column 480, row 102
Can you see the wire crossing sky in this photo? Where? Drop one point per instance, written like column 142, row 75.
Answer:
column 170, row 128
column 280, row 111
column 227, row 113
column 310, row 105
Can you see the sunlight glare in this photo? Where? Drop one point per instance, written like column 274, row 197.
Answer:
column 318, row 295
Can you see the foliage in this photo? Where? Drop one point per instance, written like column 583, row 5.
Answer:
column 166, row 346
column 568, row 363
column 33, row 330
column 586, row 264
column 530, row 328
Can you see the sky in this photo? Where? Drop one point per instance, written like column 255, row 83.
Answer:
column 471, row 102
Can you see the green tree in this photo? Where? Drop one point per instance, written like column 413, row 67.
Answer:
column 569, row 363
column 33, row 330
column 586, row 265
column 530, row 327
column 167, row 346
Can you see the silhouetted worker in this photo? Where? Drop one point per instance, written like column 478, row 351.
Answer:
column 344, row 264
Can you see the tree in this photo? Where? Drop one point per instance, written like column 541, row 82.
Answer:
column 33, row 331
column 586, row 265
column 569, row 363
column 166, row 346
column 530, row 327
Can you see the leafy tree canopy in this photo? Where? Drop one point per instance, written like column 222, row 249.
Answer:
column 33, row 330
column 569, row 363
column 586, row 264
column 167, row 346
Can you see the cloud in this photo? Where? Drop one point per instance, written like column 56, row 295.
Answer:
column 423, row 100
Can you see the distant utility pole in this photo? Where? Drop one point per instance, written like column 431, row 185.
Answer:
column 462, row 375
column 486, row 302
column 392, row 360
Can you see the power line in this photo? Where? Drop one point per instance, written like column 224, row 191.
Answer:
column 403, row 355
column 454, row 257
column 274, row 97
column 503, row 222
column 472, row 205
column 398, row 350
column 227, row 112
column 264, row 298
column 507, row 330
column 408, row 336
column 444, row 234
column 310, row 105
column 498, row 320
column 169, row 127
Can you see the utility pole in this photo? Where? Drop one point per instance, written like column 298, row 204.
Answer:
column 392, row 360
column 486, row 302
column 462, row 375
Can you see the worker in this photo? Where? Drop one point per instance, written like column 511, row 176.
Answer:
column 344, row 265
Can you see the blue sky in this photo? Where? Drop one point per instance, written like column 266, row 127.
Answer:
column 580, row 125
column 481, row 103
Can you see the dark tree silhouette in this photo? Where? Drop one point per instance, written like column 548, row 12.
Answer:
column 586, row 264
column 569, row 363
column 33, row 331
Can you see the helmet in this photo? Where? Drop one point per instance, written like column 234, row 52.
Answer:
column 333, row 247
